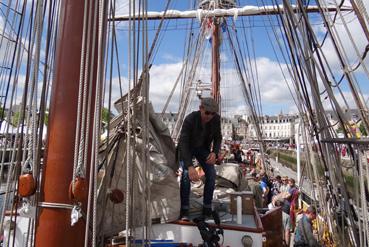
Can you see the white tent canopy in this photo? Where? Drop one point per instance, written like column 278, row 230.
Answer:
column 7, row 128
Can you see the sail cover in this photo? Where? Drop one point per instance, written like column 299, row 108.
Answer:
column 164, row 188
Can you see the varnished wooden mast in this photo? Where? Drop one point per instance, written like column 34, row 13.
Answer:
column 215, row 65
column 54, row 222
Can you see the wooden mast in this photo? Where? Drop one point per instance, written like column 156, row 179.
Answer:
column 54, row 221
column 215, row 64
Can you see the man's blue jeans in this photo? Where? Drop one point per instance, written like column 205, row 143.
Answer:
column 200, row 154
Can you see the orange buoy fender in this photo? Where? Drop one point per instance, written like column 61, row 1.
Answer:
column 116, row 196
column 26, row 185
column 79, row 193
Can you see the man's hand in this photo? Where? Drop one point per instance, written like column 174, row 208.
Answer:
column 192, row 174
column 211, row 159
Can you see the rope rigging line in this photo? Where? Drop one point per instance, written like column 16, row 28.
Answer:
column 339, row 176
column 299, row 62
column 102, row 18
column 145, row 157
column 27, row 133
column 250, row 102
column 194, row 61
column 307, row 71
column 284, row 56
column 351, row 79
column 253, row 75
column 92, row 29
column 78, row 144
column 49, row 56
column 20, row 28
column 128, row 133
column 13, row 170
column 360, row 57
column 323, row 75
column 9, row 188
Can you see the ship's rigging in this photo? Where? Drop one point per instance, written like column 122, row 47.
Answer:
column 31, row 42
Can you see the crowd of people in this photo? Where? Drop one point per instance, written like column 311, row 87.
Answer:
column 278, row 191
column 281, row 191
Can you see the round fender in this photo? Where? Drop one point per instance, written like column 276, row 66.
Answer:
column 26, row 185
column 79, row 193
column 116, row 196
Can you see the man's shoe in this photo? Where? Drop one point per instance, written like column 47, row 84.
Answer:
column 207, row 212
column 184, row 216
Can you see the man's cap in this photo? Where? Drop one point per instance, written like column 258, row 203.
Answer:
column 209, row 104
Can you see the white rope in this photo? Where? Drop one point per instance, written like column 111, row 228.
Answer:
column 94, row 15
column 145, row 153
column 28, row 113
column 82, row 70
column 97, row 114
column 19, row 57
column 32, row 147
column 128, row 133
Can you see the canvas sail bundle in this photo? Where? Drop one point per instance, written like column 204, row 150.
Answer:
column 164, row 194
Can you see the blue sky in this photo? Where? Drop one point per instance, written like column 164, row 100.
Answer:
column 275, row 96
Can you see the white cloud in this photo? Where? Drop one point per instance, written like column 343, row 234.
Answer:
column 162, row 79
column 122, row 7
column 272, row 85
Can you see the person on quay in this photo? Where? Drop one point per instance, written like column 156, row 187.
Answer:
column 284, row 186
column 304, row 232
column 200, row 138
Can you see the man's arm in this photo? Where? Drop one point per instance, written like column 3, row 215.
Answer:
column 184, row 141
column 184, row 147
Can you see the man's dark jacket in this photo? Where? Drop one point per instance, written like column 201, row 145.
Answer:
column 195, row 135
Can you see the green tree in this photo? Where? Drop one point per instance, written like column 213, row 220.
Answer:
column 16, row 118
column 106, row 116
column 2, row 113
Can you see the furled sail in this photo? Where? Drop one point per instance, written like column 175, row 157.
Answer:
column 164, row 188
